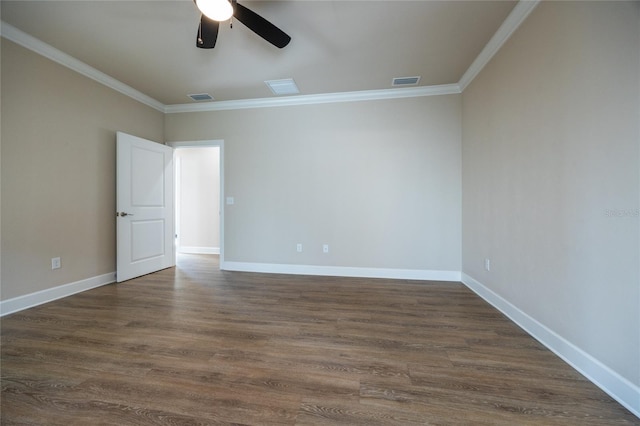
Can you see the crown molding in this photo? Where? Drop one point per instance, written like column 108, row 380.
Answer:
column 508, row 27
column 323, row 98
column 27, row 41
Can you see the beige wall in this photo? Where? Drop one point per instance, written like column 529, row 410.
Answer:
column 58, row 171
column 551, row 186
column 378, row 181
column 546, row 162
column 198, row 200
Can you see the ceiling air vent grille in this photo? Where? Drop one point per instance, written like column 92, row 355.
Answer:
column 199, row 97
column 405, row 81
column 285, row 86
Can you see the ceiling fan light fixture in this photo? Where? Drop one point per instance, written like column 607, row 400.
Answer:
column 218, row 10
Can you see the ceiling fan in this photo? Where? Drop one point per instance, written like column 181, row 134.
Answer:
column 216, row 11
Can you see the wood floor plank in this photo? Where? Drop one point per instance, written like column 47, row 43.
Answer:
column 332, row 411
column 194, row 345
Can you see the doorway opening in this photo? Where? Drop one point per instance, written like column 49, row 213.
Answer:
column 199, row 218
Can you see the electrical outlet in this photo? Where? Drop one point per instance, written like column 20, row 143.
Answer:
column 487, row 265
column 299, row 248
column 55, row 263
column 325, row 248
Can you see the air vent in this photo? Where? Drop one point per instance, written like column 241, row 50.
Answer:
column 199, row 97
column 405, row 81
column 283, row 87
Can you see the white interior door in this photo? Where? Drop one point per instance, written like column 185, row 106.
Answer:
column 144, row 207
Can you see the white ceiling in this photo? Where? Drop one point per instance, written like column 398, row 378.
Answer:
column 337, row 46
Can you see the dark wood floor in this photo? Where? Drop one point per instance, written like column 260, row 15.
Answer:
column 196, row 346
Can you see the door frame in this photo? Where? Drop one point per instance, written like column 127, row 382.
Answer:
column 201, row 144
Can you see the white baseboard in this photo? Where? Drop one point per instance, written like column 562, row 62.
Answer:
column 198, row 250
column 20, row 303
column 619, row 388
column 343, row 271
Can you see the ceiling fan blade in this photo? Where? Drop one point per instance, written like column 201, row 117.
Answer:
column 261, row 26
column 207, row 33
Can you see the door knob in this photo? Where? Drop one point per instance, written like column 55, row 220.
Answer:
column 123, row 214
